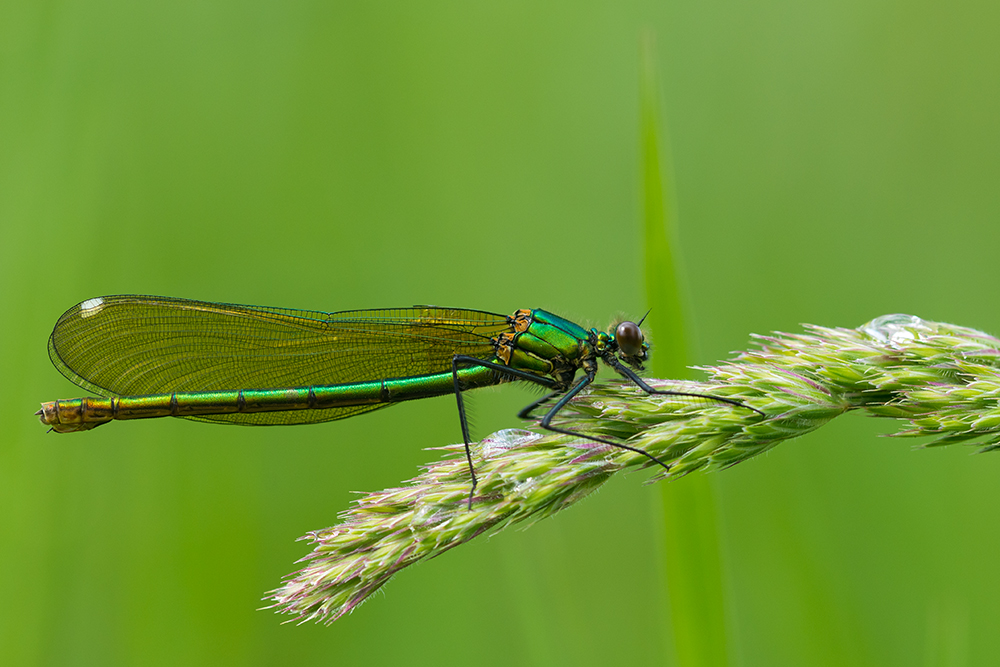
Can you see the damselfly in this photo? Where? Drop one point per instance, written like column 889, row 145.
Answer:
column 151, row 356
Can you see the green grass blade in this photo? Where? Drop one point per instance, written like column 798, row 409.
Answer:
column 692, row 564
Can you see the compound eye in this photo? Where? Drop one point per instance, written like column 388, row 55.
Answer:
column 628, row 335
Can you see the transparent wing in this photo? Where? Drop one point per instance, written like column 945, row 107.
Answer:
column 140, row 345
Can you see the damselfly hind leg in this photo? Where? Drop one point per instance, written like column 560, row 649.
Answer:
column 503, row 371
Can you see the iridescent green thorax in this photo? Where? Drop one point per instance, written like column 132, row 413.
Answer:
column 546, row 344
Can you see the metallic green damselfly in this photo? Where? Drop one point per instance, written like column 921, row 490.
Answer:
column 151, row 356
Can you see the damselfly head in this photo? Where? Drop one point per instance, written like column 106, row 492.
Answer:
column 632, row 347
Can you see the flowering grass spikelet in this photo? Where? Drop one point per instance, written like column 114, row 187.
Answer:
column 937, row 379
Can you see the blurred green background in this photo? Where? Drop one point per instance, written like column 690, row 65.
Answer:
column 834, row 161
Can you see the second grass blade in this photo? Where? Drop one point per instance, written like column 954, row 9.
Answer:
column 692, row 564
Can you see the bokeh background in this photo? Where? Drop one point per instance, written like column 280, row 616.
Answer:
column 833, row 161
